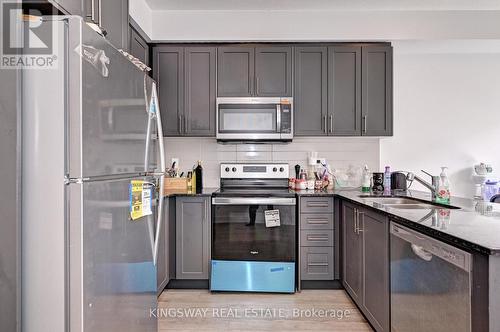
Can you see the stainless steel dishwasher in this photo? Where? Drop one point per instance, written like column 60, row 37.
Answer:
column 430, row 284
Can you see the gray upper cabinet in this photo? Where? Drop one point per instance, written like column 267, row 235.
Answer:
column 377, row 90
column 186, row 79
column 273, row 71
column 352, row 255
column 235, row 71
column 192, row 237
column 310, row 97
column 344, row 90
column 263, row 71
column 114, row 19
column 199, row 89
column 350, row 94
column 365, row 254
column 111, row 16
column 73, row 7
column 168, row 66
column 138, row 47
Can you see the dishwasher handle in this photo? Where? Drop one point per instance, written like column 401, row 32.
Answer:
column 429, row 246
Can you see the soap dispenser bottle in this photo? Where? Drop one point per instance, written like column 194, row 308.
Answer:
column 443, row 189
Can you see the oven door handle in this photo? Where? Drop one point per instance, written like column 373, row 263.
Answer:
column 253, row 201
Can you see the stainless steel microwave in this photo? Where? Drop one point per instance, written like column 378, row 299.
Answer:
column 254, row 119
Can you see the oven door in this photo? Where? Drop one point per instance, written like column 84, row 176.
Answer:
column 239, row 231
column 248, row 118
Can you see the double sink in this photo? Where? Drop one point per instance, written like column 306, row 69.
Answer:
column 404, row 203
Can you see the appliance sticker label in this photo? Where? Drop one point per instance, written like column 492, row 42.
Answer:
column 140, row 199
column 272, row 218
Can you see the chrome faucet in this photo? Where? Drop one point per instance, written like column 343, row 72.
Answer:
column 431, row 186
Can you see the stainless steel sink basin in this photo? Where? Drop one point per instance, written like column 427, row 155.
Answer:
column 406, row 203
column 392, row 200
column 412, row 206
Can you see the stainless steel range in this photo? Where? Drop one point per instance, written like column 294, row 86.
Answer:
column 253, row 230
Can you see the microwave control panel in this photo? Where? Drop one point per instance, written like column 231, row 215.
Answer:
column 286, row 118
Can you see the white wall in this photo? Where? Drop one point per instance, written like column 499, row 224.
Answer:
column 142, row 15
column 316, row 25
column 339, row 152
column 446, row 108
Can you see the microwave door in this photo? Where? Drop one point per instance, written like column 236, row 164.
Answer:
column 247, row 121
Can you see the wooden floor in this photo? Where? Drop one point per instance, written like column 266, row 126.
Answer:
column 310, row 310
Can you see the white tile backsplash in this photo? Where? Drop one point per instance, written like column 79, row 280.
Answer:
column 340, row 152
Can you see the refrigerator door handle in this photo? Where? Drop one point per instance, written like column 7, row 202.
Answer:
column 162, row 176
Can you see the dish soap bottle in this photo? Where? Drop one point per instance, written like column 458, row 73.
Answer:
column 387, row 180
column 365, row 186
column 443, row 189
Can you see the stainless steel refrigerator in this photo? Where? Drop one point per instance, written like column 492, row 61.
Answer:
column 90, row 126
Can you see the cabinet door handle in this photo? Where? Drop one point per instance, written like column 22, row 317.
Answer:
column 317, row 204
column 355, row 219
column 364, row 123
column 256, row 85
column 99, row 13
column 324, row 124
column 185, row 124
column 316, row 221
column 362, row 214
column 317, row 264
column 317, row 238
column 331, row 123
column 180, row 124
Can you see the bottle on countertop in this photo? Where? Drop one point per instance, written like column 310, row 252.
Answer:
column 199, row 177
column 365, row 184
column 443, row 189
column 387, row 180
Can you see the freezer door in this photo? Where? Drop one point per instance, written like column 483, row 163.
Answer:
column 112, row 274
column 108, row 114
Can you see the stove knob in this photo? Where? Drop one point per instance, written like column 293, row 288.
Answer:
column 282, row 169
column 227, row 169
column 234, row 169
column 275, row 169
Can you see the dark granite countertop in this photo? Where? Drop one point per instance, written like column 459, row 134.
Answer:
column 475, row 226
column 174, row 193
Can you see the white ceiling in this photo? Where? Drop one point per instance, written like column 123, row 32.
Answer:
column 324, row 4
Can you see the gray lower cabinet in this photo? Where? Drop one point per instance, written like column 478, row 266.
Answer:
column 316, row 234
column 192, row 237
column 352, row 253
column 186, row 79
column 310, row 91
column 138, row 47
column 365, row 254
column 377, row 91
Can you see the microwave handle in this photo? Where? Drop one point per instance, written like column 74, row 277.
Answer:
column 278, row 118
